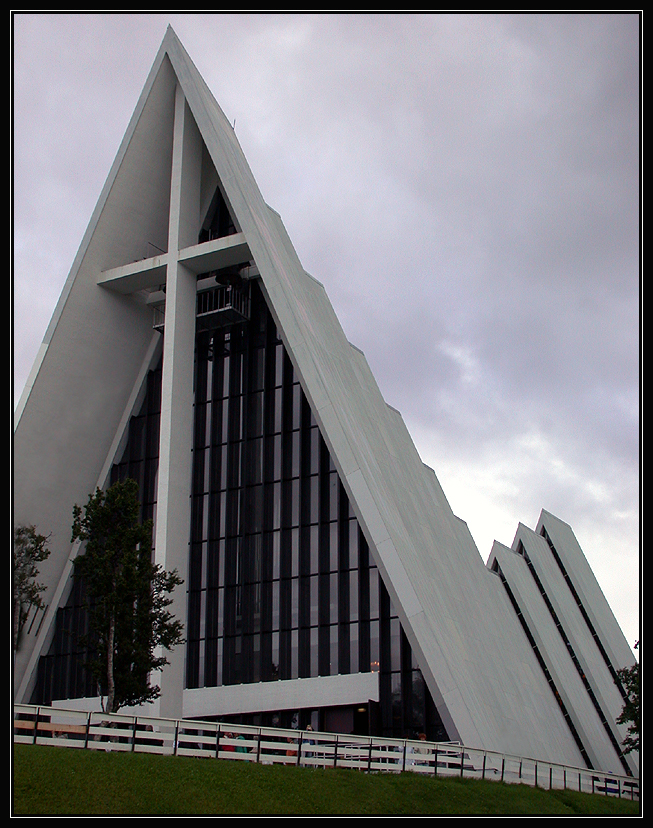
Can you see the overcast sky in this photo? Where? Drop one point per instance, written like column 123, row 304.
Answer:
column 465, row 186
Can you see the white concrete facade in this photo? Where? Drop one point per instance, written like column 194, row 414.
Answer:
column 570, row 630
column 479, row 665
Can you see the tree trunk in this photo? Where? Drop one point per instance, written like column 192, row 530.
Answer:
column 111, row 685
column 16, row 623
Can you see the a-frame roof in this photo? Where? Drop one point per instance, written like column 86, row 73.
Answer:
column 450, row 606
column 472, row 653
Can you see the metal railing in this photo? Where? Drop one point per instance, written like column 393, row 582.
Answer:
column 185, row 737
column 223, row 298
column 219, row 306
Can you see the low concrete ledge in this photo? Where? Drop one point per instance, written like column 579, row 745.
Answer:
column 324, row 691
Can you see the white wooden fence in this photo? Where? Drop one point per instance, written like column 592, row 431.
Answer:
column 183, row 737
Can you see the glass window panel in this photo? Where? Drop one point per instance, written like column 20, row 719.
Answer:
column 276, row 555
column 278, row 410
column 296, row 406
column 395, row 685
column 315, row 450
column 255, row 460
column 334, row 488
column 277, row 458
column 276, row 505
column 334, row 547
column 314, row 651
column 294, row 503
column 278, row 364
column 215, row 603
column 315, row 549
column 333, row 598
column 295, row 454
column 374, row 593
column 255, row 648
column 225, row 419
column 275, row 655
column 353, row 594
column 295, row 538
column 223, row 515
column 353, row 648
column 219, row 659
column 233, row 464
column 314, row 499
column 254, row 406
column 276, row 597
column 223, row 467
column 207, row 471
column 226, row 375
column 374, row 647
column 205, row 516
column 258, row 369
column 294, row 602
column 237, row 418
column 314, row 587
column 206, row 424
column 255, row 516
column 353, row 541
column 256, row 568
column 209, row 379
column 333, row 645
column 221, row 561
column 395, row 644
column 294, row 654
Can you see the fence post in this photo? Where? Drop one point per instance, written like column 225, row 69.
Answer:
column 36, row 726
column 435, row 761
column 88, row 729
column 335, row 753
column 484, row 760
column 134, row 733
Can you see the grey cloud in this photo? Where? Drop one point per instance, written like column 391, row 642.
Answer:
column 465, row 186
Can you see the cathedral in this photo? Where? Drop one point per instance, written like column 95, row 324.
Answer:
column 326, row 579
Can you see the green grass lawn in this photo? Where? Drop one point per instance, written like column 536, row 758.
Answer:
column 63, row 781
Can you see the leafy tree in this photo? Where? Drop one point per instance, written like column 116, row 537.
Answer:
column 30, row 548
column 128, row 596
column 631, row 713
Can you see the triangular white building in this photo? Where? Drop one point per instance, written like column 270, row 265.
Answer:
column 326, row 577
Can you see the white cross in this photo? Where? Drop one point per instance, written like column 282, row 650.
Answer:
column 178, row 269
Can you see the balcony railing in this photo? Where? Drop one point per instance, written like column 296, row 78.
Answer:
column 217, row 307
column 222, row 305
column 266, row 745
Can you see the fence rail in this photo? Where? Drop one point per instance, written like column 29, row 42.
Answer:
column 184, row 737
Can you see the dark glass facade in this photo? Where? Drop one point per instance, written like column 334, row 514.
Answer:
column 61, row 673
column 281, row 583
